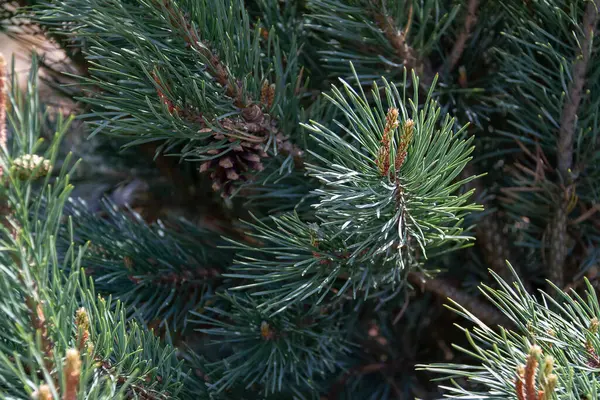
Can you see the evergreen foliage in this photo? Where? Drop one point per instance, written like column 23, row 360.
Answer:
column 148, row 267
column 549, row 352
column 279, row 196
column 59, row 339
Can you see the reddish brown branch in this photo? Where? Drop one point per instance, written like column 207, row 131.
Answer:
column 217, row 69
column 558, row 246
column 569, row 114
column 398, row 38
column 463, row 36
column 445, row 290
column 39, row 324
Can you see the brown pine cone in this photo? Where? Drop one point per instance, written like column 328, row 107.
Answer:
column 233, row 165
column 242, row 142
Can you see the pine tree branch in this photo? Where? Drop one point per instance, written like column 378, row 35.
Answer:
column 538, row 324
column 214, row 115
column 254, row 122
column 398, row 38
column 218, row 70
column 463, row 36
column 569, row 114
column 558, row 226
column 40, row 326
column 169, row 268
column 558, row 246
column 445, row 290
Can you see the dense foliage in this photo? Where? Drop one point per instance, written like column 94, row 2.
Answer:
column 276, row 198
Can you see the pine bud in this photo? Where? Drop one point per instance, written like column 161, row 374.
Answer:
column 30, row 166
column 265, row 331
column 519, row 383
column 72, row 373
column 267, row 94
column 407, row 135
column 383, row 155
column 264, row 33
column 535, row 352
column 391, row 121
column 82, row 322
column 550, row 386
column 548, row 365
column 594, row 325
column 81, row 319
column 42, row 393
column 128, row 262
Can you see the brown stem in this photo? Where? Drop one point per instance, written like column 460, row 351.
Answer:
column 463, row 36
column 445, row 290
column 217, row 69
column 398, row 38
column 39, row 324
column 568, row 119
column 558, row 246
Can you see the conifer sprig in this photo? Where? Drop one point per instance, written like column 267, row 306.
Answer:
column 292, row 349
column 553, row 122
column 550, row 353
column 161, row 272
column 196, row 77
column 58, row 339
column 388, row 200
column 379, row 37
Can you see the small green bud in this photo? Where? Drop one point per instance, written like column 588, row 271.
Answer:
column 30, row 166
column 594, row 325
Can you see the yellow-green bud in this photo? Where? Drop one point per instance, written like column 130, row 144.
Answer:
column 30, row 166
